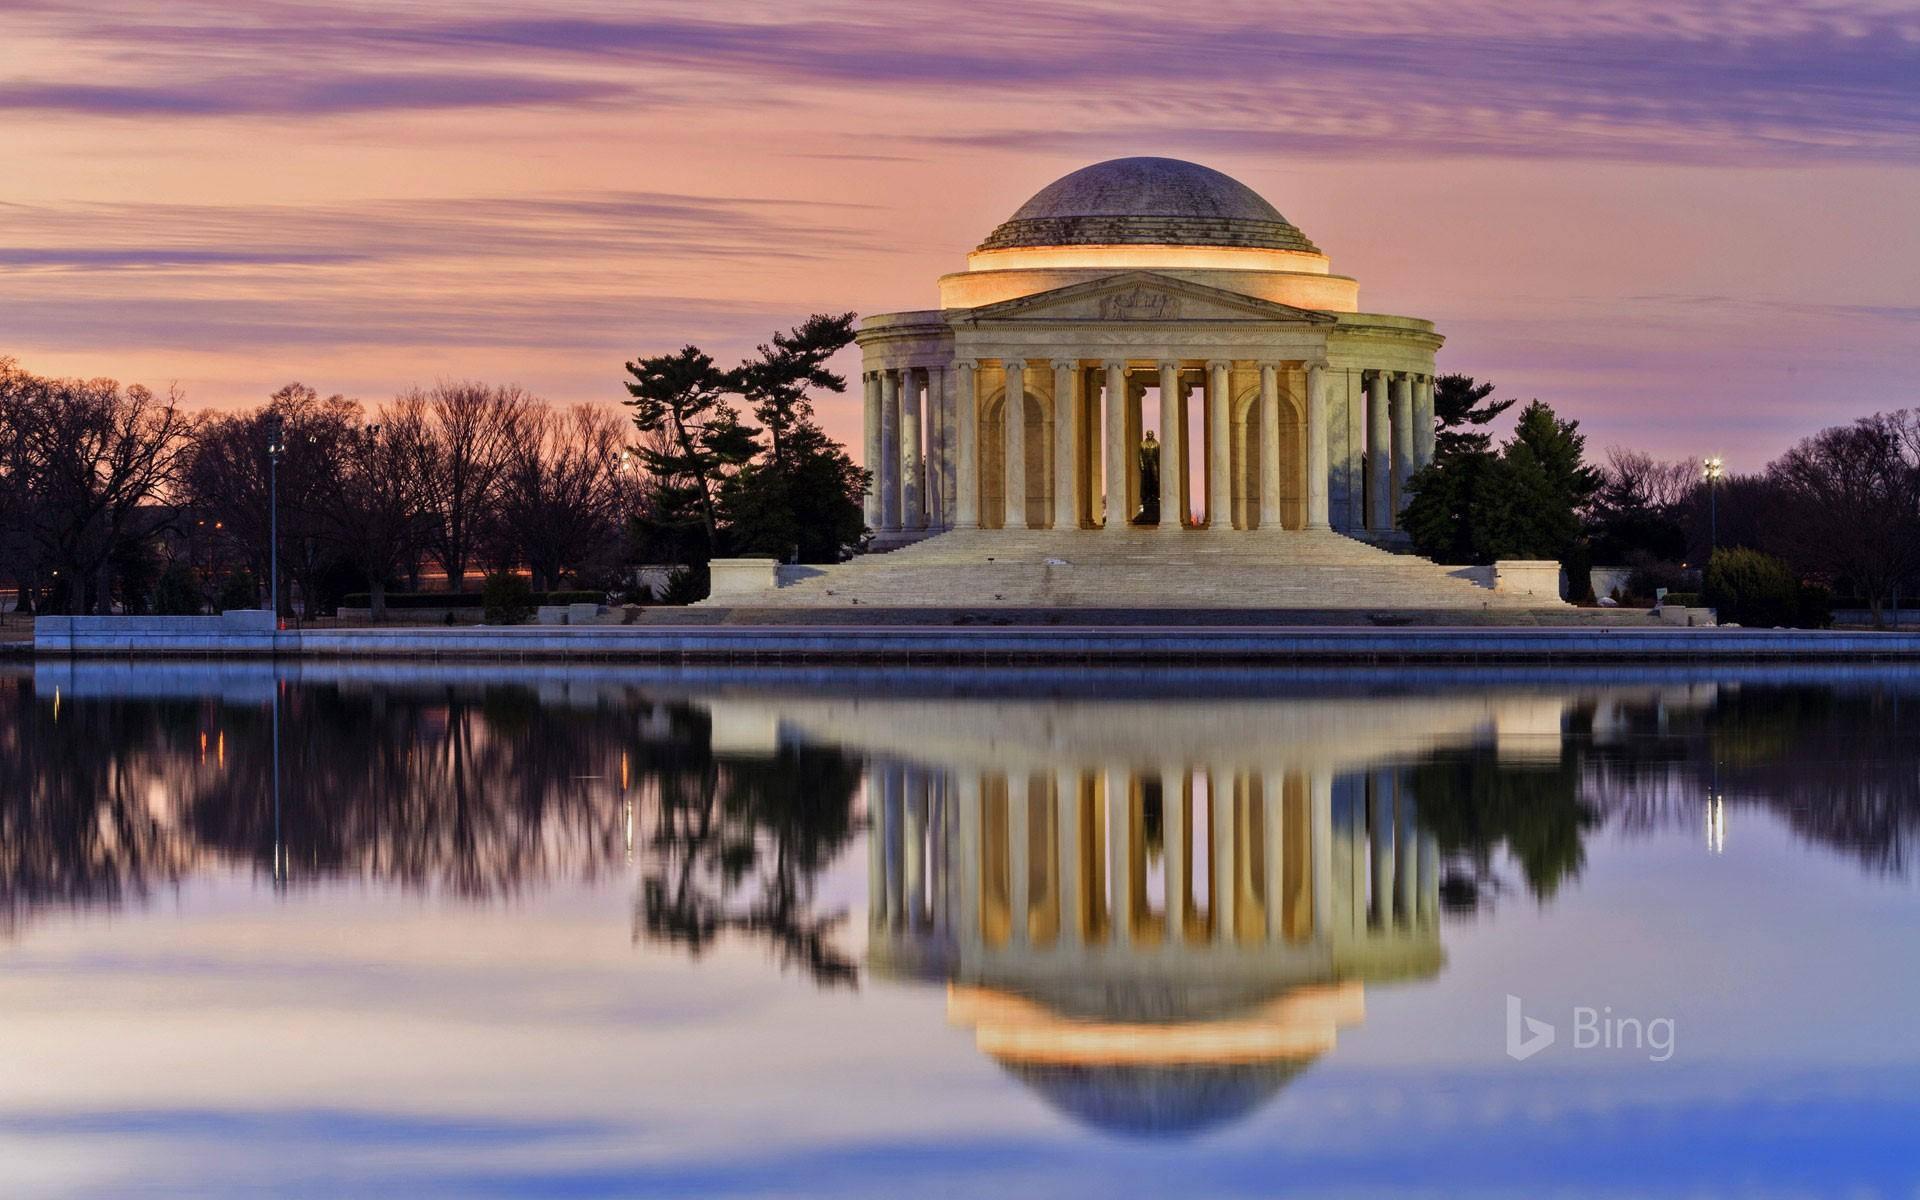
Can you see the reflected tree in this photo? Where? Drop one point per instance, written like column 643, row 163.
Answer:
column 1477, row 806
column 472, row 792
column 740, row 841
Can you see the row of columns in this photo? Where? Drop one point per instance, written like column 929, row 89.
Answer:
column 912, row 449
column 924, row 453
column 1400, row 440
column 1034, row 859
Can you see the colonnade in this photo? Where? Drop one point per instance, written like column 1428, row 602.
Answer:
column 1057, row 444
column 1180, row 858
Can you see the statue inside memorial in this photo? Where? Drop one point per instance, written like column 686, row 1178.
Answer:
column 1149, row 512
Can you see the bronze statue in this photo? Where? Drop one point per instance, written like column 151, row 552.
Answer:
column 1149, row 513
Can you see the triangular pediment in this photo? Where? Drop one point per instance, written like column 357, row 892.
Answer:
column 1143, row 296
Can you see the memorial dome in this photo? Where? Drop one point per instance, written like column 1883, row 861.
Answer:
column 1148, row 201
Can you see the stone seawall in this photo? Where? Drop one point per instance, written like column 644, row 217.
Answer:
column 998, row 645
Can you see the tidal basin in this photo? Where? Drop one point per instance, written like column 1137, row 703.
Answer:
column 439, row 929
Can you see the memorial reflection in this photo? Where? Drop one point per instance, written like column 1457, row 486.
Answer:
column 1158, row 927
column 1121, row 832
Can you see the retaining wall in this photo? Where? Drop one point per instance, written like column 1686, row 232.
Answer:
column 985, row 646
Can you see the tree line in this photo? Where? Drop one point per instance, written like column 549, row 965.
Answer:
column 116, row 498
column 1838, row 513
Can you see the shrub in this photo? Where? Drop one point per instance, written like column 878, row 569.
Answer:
column 236, row 591
column 178, row 594
column 1816, row 606
column 685, row 585
column 1752, row 588
column 1650, row 574
column 507, row 599
column 1684, row 599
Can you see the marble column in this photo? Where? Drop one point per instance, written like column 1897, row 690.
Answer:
column 1273, row 825
column 1402, row 440
column 950, row 444
column 1014, row 443
column 1066, row 812
column 936, row 491
column 1020, row 854
column 966, row 475
column 1173, row 449
column 1223, row 825
column 914, row 872
column 1219, row 447
column 876, row 851
column 967, row 821
column 1320, row 821
column 1423, row 430
column 1270, row 447
column 894, row 793
column 1379, row 457
column 1066, row 407
column 1317, row 462
column 1429, row 908
column 1176, row 839
column 1405, row 857
column 890, row 451
column 1116, row 447
column 1120, row 852
column 1380, row 843
column 913, row 494
column 870, row 383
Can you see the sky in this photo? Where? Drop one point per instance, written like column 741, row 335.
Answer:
column 1691, row 226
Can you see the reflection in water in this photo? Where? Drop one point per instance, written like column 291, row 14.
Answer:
column 476, row 792
column 1152, row 908
column 1153, row 952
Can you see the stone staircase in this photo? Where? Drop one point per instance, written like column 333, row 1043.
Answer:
column 1138, row 568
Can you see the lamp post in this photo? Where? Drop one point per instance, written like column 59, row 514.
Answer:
column 1712, row 470
column 276, row 442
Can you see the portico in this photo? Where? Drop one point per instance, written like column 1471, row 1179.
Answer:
column 1196, row 366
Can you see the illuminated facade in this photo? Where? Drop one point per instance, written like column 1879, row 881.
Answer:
column 1140, row 320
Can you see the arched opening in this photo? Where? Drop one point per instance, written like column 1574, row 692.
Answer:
column 1038, row 457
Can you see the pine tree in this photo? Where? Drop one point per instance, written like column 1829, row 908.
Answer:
column 684, row 397
column 1460, row 408
column 774, row 385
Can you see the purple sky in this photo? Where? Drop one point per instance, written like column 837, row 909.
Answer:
column 1692, row 226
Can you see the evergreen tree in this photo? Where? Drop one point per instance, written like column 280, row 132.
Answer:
column 684, row 397
column 774, row 385
column 1560, row 449
column 1476, row 506
column 1460, row 409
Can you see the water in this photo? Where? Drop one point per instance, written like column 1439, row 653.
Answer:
column 500, row 931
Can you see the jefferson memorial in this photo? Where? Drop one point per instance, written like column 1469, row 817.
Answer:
column 1148, row 390
column 1146, row 342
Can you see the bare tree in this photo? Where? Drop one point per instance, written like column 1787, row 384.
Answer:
column 227, row 484
column 1851, row 503
column 84, row 458
column 565, row 493
column 1662, row 486
column 372, row 507
column 470, row 432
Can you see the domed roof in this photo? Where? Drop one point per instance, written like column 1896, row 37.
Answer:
column 1148, row 201
column 1159, row 1100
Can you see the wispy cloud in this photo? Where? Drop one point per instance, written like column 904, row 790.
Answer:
column 1655, row 81
column 261, row 95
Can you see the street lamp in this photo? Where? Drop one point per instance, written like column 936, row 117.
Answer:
column 1712, row 470
column 276, row 443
